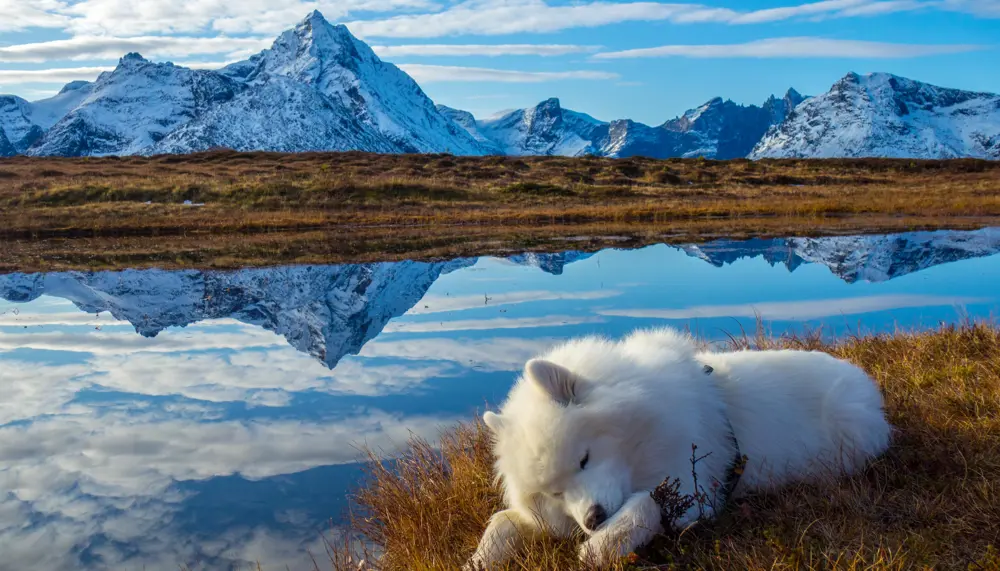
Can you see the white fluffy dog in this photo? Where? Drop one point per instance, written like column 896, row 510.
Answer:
column 591, row 428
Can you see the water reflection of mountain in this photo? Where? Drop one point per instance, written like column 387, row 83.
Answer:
column 332, row 311
column 325, row 311
column 874, row 258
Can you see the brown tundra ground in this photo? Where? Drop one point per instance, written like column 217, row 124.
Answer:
column 261, row 208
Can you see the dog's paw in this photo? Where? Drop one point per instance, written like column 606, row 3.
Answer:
column 597, row 551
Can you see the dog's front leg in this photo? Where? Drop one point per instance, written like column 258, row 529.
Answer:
column 503, row 536
column 633, row 526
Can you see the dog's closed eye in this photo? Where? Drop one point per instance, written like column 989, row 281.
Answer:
column 586, row 458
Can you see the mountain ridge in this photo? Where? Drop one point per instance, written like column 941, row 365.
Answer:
column 885, row 115
column 319, row 88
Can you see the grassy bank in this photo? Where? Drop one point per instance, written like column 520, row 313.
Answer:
column 249, row 208
column 932, row 502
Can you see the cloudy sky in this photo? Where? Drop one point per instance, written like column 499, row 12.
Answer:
column 640, row 59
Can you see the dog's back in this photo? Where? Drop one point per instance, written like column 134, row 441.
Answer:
column 799, row 414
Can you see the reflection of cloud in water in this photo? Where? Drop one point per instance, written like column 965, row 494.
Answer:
column 124, row 342
column 11, row 319
column 271, row 375
column 259, row 378
column 29, row 390
column 436, row 303
column 93, row 449
column 497, row 354
column 488, row 324
column 799, row 310
column 111, row 485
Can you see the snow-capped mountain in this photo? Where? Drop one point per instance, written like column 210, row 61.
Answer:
column 320, row 88
column 718, row 129
column 22, row 122
column 468, row 122
column 17, row 130
column 376, row 93
column 133, row 107
column 721, row 129
column 858, row 258
column 316, row 88
column 275, row 114
column 325, row 311
column 882, row 115
column 545, row 129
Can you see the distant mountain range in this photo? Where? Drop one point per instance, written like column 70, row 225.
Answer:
column 318, row 88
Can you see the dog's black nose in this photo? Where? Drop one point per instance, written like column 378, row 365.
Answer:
column 595, row 517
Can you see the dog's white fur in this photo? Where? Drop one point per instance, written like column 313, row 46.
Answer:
column 634, row 408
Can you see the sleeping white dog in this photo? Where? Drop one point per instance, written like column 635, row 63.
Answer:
column 592, row 427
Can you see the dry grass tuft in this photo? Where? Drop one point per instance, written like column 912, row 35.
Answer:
column 932, row 502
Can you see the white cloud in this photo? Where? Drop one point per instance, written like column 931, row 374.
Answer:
column 436, row 303
column 879, row 8
column 480, row 50
column 107, row 47
column 127, row 17
column 22, row 14
column 981, row 8
column 516, row 16
column 54, row 75
column 115, row 18
column 440, row 73
column 797, row 47
column 798, row 310
column 787, row 12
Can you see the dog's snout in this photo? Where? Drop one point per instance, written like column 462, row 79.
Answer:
column 595, row 517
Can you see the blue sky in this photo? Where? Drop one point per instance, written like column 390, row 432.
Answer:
column 643, row 60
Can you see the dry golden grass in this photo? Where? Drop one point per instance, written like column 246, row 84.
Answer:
column 427, row 205
column 266, row 190
column 932, row 502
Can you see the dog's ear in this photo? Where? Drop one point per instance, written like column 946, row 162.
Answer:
column 493, row 421
column 557, row 381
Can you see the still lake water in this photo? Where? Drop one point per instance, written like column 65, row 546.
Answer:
column 150, row 419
